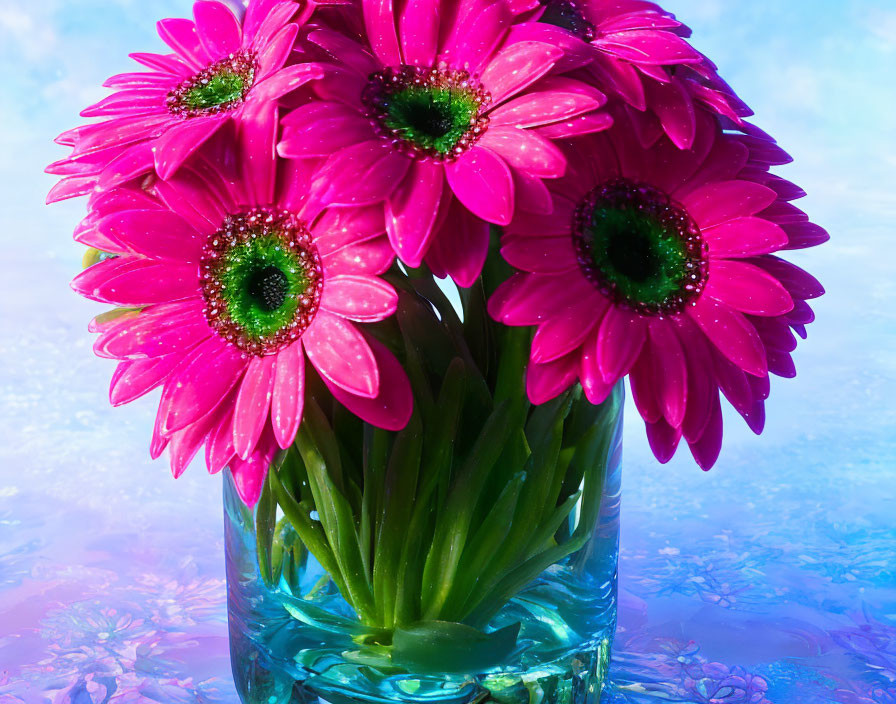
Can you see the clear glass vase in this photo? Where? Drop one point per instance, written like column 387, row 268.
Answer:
column 538, row 620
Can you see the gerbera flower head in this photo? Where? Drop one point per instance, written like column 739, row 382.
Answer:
column 442, row 121
column 639, row 53
column 660, row 263
column 222, row 67
column 230, row 282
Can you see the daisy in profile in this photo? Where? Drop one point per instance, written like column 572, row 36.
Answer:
column 442, row 121
column 221, row 69
column 658, row 263
column 636, row 50
column 234, row 289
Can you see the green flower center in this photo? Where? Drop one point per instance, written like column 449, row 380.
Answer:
column 567, row 15
column 640, row 248
column 222, row 86
column 262, row 281
column 428, row 112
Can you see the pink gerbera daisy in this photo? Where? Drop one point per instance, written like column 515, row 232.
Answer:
column 234, row 282
column 220, row 70
column 658, row 263
column 448, row 127
column 638, row 51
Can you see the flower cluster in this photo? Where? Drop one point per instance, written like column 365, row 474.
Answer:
column 249, row 191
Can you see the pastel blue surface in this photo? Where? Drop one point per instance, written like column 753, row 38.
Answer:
column 770, row 579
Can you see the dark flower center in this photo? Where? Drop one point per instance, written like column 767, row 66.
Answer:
column 638, row 247
column 567, row 15
column 269, row 286
column 222, row 86
column 262, row 280
column 428, row 112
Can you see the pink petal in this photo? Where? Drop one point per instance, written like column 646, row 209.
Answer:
column 747, row 288
column 460, row 247
column 526, row 150
column 663, row 439
column 186, row 443
column 219, row 446
column 71, row 187
column 641, row 381
column 669, row 371
column 798, row 282
column 341, row 355
column 701, row 378
column 675, row 109
column 577, row 126
column 419, row 23
column 734, row 383
column 137, row 282
column 200, row 383
column 159, row 442
column 545, row 106
column 532, row 196
column 477, row 33
column 289, row 394
column 285, row 81
column 744, row 237
column 620, row 340
column 135, row 161
column 360, row 174
column 648, row 46
column 781, row 364
column 593, row 384
column 174, row 147
column 252, row 403
column 154, row 332
column 249, row 474
column 137, row 378
column 481, row 180
column 529, row 299
column 364, row 299
column 707, row 448
column 543, row 255
column 805, row 234
column 340, row 227
column 272, row 24
column 518, row 66
column 575, row 53
column 164, row 63
column 775, row 333
column 277, row 51
column 194, row 200
column 547, row 381
column 346, row 51
column 181, row 36
column 565, row 332
column 372, row 257
column 219, row 31
column 412, row 209
column 391, row 408
column 258, row 135
column 731, row 333
column 137, row 102
column 717, row 202
column 159, row 234
column 379, row 18
column 340, row 85
column 311, row 131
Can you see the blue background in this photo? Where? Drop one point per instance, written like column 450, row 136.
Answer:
column 770, row 579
